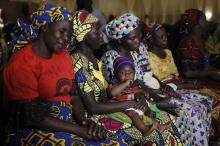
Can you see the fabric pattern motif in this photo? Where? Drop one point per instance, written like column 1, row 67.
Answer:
column 151, row 29
column 194, row 115
column 62, row 111
column 84, row 69
column 83, row 22
column 124, row 130
column 163, row 68
column 122, row 25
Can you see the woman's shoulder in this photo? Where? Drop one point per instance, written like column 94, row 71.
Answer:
column 79, row 56
column 79, row 59
column 168, row 52
column 23, row 56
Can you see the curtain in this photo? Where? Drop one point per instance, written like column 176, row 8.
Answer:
column 161, row 11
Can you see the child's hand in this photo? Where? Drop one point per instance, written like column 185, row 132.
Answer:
column 128, row 82
column 153, row 127
column 138, row 96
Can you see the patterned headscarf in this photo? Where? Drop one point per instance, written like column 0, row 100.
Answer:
column 83, row 22
column 46, row 14
column 120, row 62
column 121, row 26
column 151, row 29
column 189, row 19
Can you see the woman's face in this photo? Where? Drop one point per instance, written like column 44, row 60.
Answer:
column 94, row 38
column 159, row 38
column 57, row 35
column 125, row 73
column 132, row 40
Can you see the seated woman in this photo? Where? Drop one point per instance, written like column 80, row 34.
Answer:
column 86, row 40
column 129, row 45
column 121, row 89
column 37, row 83
column 193, row 57
column 163, row 65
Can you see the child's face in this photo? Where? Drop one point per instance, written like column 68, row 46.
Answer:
column 125, row 73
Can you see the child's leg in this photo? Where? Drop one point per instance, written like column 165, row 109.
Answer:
column 139, row 124
column 161, row 127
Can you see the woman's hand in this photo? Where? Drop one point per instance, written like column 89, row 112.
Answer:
column 154, row 126
column 141, row 104
column 169, row 91
column 166, row 88
column 93, row 131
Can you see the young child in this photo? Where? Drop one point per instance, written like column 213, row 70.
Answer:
column 120, row 89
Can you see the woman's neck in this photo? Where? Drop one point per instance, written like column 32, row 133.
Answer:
column 87, row 51
column 124, row 52
column 39, row 47
column 160, row 52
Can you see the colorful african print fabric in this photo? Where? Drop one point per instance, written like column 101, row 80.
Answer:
column 83, row 22
column 36, row 137
column 198, row 105
column 202, row 117
column 191, row 57
column 142, row 67
column 122, row 25
column 178, row 134
column 44, row 15
column 84, row 73
column 88, row 78
column 151, row 29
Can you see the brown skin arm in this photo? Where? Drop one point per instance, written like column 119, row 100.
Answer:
column 115, row 90
column 91, row 131
column 78, row 110
column 95, row 107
